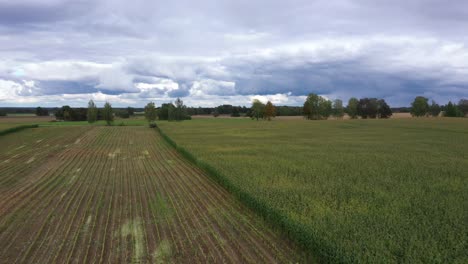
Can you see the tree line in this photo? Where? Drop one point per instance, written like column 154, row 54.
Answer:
column 317, row 107
column 90, row 114
column 169, row 111
column 67, row 113
column 421, row 107
column 241, row 111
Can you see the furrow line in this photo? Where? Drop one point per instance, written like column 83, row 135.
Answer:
column 169, row 171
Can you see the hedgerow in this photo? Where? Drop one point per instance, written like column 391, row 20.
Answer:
column 16, row 129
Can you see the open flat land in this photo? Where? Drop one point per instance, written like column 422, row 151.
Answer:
column 13, row 121
column 120, row 194
column 376, row 191
column 372, row 191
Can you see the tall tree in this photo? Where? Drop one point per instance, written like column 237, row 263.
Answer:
column 420, row 106
column 92, row 113
column 451, row 110
column 317, row 107
column 312, row 107
column 338, row 110
column 384, row 110
column 434, row 109
column 150, row 112
column 180, row 111
column 368, row 108
column 130, row 111
column 325, row 107
column 463, row 106
column 270, row 111
column 171, row 112
column 108, row 113
column 257, row 109
column 163, row 112
column 352, row 107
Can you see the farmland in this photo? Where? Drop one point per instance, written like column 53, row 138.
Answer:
column 375, row 191
column 120, row 194
column 14, row 121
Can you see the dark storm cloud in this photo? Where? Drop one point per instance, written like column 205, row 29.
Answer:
column 65, row 87
column 29, row 12
column 393, row 49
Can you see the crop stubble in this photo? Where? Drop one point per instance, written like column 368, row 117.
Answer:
column 120, row 194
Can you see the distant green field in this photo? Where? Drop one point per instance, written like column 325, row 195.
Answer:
column 9, row 122
column 21, row 114
column 117, row 122
column 375, row 191
column 5, row 126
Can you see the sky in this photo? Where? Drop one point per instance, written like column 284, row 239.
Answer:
column 208, row 52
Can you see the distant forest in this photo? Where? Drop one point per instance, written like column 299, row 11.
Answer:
column 220, row 110
column 419, row 107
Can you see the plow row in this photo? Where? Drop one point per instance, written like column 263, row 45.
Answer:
column 120, row 194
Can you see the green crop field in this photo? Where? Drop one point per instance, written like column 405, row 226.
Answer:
column 373, row 191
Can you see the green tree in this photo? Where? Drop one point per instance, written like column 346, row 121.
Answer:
column 451, row 110
column 463, row 106
column 108, row 113
column 171, row 113
column 150, row 112
column 325, row 107
column 92, row 112
column 368, row 108
column 235, row 112
column 163, row 112
column 130, row 111
column 257, row 109
column 384, row 110
column 180, row 110
column 434, row 109
column 270, row 111
column 64, row 113
column 420, row 106
column 42, row 112
column 122, row 113
column 312, row 107
column 352, row 107
column 338, row 109
column 317, row 107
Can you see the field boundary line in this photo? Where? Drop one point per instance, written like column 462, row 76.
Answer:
column 316, row 248
column 16, row 129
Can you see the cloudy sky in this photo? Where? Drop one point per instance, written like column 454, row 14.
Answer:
column 56, row 52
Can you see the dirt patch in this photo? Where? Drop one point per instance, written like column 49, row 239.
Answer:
column 133, row 230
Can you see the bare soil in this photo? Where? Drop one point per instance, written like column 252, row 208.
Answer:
column 121, row 195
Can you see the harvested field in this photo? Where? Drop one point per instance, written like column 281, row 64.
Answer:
column 120, row 194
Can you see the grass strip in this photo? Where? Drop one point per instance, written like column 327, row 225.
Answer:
column 16, row 129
